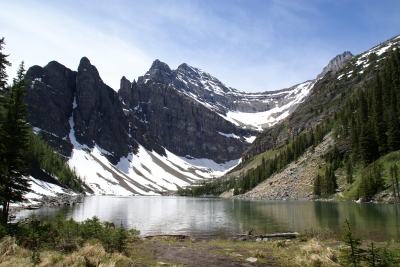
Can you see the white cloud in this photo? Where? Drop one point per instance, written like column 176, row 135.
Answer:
column 43, row 35
column 249, row 45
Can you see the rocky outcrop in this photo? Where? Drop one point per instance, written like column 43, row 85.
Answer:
column 336, row 63
column 295, row 181
column 186, row 110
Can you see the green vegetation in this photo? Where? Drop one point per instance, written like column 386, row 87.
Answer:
column 279, row 159
column 21, row 152
column 361, row 114
column 43, row 157
column 14, row 139
column 67, row 236
column 353, row 254
column 369, row 122
column 94, row 243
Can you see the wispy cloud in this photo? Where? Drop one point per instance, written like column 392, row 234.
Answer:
column 250, row 45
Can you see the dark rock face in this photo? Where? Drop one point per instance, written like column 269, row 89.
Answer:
column 58, row 98
column 99, row 116
column 182, row 125
column 185, row 110
column 50, row 94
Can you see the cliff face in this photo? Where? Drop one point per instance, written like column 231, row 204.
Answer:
column 50, row 94
column 181, row 124
column 59, row 99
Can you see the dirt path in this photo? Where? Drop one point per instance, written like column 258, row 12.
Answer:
column 203, row 253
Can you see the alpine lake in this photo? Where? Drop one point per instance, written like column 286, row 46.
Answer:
column 216, row 217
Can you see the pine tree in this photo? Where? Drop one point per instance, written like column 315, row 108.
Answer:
column 353, row 252
column 349, row 171
column 378, row 115
column 393, row 131
column 317, row 185
column 393, row 171
column 368, row 145
column 14, row 136
column 3, row 64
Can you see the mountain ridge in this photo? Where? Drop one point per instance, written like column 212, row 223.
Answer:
column 168, row 129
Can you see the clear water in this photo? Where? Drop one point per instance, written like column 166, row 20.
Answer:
column 222, row 217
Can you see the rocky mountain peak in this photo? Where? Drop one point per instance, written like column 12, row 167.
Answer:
column 125, row 83
column 185, row 69
column 336, row 63
column 159, row 72
column 84, row 64
column 159, row 65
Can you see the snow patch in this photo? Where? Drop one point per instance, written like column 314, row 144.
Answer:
column 250, row 139
column 229, row 135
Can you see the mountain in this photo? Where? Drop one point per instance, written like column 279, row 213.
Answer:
column 345, row 133
column 168, row 129
column 336, row 63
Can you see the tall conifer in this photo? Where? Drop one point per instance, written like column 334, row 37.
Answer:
column 14, row 136
column 3, row 64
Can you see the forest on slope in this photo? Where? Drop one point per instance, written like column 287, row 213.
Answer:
column 358, row 107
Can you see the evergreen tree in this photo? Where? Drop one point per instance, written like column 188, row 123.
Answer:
column 353, row 252
column 367, row 143
column 14, row 136
column 317, row 185
column 349, row 172
column 393, row 132
column 393, row 171
column 3, row 64
column 378, row 115
column 330, row 184
column 378, row 182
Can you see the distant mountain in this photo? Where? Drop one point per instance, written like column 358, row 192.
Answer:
column 168, row 129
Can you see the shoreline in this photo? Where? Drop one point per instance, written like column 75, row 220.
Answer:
column 49, row 201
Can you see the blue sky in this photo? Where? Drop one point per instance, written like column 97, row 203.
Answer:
column 250, row 45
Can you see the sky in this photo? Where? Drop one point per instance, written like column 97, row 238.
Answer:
column 250, row 45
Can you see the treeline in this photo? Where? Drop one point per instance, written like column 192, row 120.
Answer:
column 43, row 158
column 289, row 152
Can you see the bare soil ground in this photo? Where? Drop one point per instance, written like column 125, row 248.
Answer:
column 164, row 252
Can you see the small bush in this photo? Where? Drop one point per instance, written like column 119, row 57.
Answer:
column 67, row 236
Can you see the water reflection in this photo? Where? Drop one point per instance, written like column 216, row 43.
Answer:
column 213, row 216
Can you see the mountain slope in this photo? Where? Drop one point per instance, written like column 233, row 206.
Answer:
column 336, row 107
column 171, row 128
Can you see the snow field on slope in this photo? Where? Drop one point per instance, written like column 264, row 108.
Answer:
column 154, row 175
column 99, row 174
column 267, row 117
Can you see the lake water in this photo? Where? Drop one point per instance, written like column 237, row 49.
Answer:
column 222, row 217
